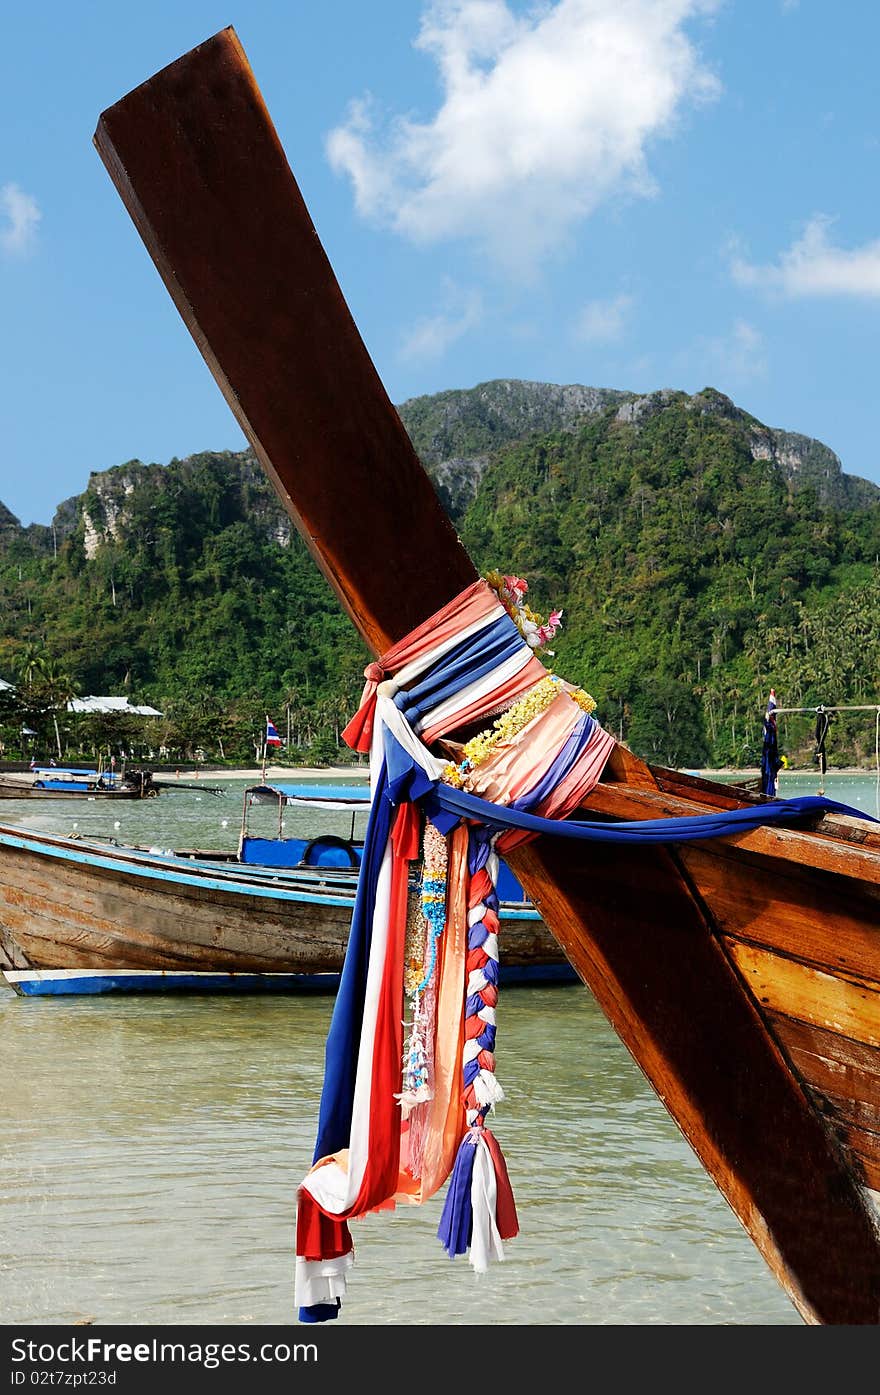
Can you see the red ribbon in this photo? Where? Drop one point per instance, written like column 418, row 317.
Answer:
column 359, row 732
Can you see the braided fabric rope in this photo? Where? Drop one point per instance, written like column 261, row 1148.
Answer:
column 481, row 1087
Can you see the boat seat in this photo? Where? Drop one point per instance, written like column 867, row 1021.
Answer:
column 329, row 850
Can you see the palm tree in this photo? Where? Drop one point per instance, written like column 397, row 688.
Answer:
column 30, row 669
column 31, row 666
column 59, row 689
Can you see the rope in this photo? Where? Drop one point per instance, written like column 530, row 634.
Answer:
column 481, row 1088
column 479, row 1212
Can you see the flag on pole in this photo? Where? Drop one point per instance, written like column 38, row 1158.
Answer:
column 771, row 761
column 272, row 737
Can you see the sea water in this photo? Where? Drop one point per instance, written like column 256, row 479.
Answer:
column 150, row 1150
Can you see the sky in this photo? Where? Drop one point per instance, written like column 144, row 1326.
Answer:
column 633, row 194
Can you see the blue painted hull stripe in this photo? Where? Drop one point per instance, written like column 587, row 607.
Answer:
column 59, row 983
column 133, row 868
column 130, row 866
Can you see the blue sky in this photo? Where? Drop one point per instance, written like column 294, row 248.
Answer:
column 622, row 193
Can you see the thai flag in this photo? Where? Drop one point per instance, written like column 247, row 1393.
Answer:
column 272, row 737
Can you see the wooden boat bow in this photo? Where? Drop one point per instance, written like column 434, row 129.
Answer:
column 667, row 939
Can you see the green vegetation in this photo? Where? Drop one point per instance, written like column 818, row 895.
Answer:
column 700, row 559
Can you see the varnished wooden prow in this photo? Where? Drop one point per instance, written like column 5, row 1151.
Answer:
column 200, row 168
column 278, row 336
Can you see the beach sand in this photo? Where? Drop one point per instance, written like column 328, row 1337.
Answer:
column 285, row 774
column 341, row 774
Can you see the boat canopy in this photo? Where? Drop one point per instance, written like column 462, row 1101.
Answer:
column 104, row 705
column 64, row 772
column 312, row 796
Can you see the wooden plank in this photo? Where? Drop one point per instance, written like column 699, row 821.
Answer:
column 829, row 1061
column 864, row 1141
column 789, row 910
column 805, row 849
column 200, row 168
column 849, row 1006
column 846, row 1111
column 711, row 792
column 724, row 796
column 870, row 1175
column 865, row 1146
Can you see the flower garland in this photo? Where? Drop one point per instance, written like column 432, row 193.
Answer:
column 511, row 591
column 511, row 723
column 426, row 920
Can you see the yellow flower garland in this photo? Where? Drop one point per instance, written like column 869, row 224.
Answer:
column 511, row 722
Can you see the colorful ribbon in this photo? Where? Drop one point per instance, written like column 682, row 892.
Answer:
column 396, row 1122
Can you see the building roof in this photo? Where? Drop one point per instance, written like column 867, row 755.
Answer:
column 111, row 704
column 101, row 704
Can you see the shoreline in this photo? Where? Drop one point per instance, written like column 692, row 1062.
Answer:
column 347, row 774
column 285, row 773
column 340, row 774
column 750, row 771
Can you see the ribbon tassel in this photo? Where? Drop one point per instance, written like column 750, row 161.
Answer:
column 479, row 1212
column 456, row 1220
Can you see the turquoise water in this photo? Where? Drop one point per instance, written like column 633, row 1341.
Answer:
column 861, row 791
column 150, row 1151
column 195, row 818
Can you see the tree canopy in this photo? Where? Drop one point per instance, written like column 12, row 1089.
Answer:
column 694, row 570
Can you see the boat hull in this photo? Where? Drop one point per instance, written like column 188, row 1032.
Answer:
column 29, row 793
column 43, row 983
column 85, row 910
column 9, row 790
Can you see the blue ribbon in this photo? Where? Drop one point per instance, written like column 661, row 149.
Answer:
column 467, row 662
column 456, row 1222
column 445, row 806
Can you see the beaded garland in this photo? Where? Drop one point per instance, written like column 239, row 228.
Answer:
column 426, row 920
column 435, row 867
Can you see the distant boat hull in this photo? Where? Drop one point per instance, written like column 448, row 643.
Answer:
column 10, row 790
column 85, row 913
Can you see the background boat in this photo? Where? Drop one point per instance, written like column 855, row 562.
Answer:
column 78, row 782
column 80, row 916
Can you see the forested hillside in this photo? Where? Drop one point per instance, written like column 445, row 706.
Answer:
column 699, row 556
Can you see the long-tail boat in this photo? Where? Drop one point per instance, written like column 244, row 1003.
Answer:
column 89, row 915
column 75, row 782
column 742, row 973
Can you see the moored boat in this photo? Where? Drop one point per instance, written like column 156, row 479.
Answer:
column 81, row 917
column 78, row 782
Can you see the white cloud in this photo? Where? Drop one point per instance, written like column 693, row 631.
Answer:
column 543, row 116
column 812, row 266
column 19, row 216
column 738, row 355
column 431, row 336
column 603, row 321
